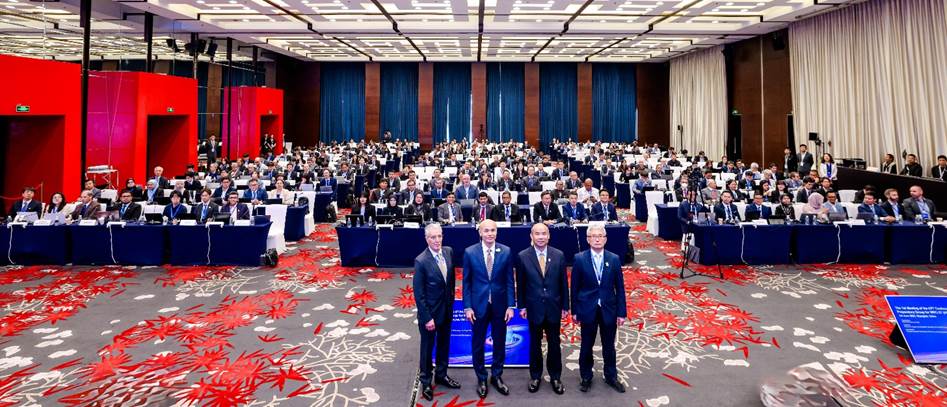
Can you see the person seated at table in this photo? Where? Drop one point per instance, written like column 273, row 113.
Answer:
column 918, row 205
column 450, row 212
column 891, row 204
column 802, row 195
column 833, row 205
column 394, row 181
column 546, row 211
column 327, row 181
column 689, row 208
column 87, row 208
column 726, row 212
column 364, row 207
column 560, row 194
column 531, row 182
column 588, row 194
column 825, row 187
column 756, row 209
column 173, row 211
column 860, row 194
column 506, row 183
column 466, row 190
column 483, row 209
column 785, row 210
column 603, row 210
column 573, row 182
column 27, row 203
column 254, row 193
column 380, row 194
column 748, row 183
column 392, row 208
column 506, row 210
column 89, row 185
column 418, row 208
column 57, row 204
column 137, row 192
column 877, row 211
column 485, row 182
column 192, row 184
column 734, row 188
column 574, row 211
column 407, row 196
column 179, row 187
column 814, row 207
column 225, row 188
column 236, row 209
column 769, row 194
column 710, row 194
column 206, row 209
column 126, row 210
column 280, row 192
column 643, row 181
column 159, row 179
column 439, row 190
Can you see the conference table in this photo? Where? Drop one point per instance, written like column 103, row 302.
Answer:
column 397, row 247
column 133, row 244
column 906, row 243
column 669, row 227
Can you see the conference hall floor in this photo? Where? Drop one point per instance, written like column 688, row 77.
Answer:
column 310, row 332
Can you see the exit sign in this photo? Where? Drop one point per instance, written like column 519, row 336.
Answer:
column 22, row 109
column 170, row 110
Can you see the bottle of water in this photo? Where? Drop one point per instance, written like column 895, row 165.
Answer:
column 876, row 218
column 917, row 218
column 899, row 219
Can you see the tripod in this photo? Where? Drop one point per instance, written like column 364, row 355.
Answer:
column 689, row 251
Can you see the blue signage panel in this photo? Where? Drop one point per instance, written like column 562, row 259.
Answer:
column 517, row 341
column 923, row 322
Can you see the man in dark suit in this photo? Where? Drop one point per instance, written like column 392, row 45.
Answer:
column 756, row 209
column 888, row 166
column 434, row 297
column 892, row 205
column 805, row 159
column 939, row 171
column 407, row 196
column 911, row 167
column 234, row 208
column 546, row 211
column 802, row 195
column 483, row 210
column 450, row 211
column 438, row 190
column 918, row 205
column 531, row 183
column 544, row 302
column 126, row 210
column 789, row 161
column 254, row 193
column 689, row 208
column 87, row 208
column 226, row 187
column 574, row 211
column 573, row 182
column 506, row 210
column 27, row 203
column 726, row 210
column 598, row 306
column 488, row 302
column 328, row 181
column 160, row 180
column 603, row 209
column 205, row 209
column 877, row 211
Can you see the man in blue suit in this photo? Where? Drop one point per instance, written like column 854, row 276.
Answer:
column 574, row 211
column 688, row 209
column 434, row 297
column 598, row 305
column 603, row 209
column 254, row 193
column 328, row 181
column 870, row 206
column 726, row 211
column 756, row 209
column 489, row 302
column 544, row 301
column 466, row 190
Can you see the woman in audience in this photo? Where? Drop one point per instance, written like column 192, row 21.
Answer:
column 814, row 207
column 628, row 176
column 133, row 188
column 366, row 209
column 57, row 204
column 174, row 210
column 828, row 168
column 279, row 192
column 785, row 210
column 769, row 194
column 392, row 208
column 419, row 208
column 734, row 188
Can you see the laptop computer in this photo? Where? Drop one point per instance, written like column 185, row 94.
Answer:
column 27, row 216
column 384, row 219
column 838, row 216
column 56, row 217
column 154, row 218
column 274, row 201
column 752, row 215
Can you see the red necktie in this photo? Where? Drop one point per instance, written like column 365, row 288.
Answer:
column 483, row 212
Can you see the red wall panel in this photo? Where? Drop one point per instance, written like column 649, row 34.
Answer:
column 531, row 100
column 478, row 93
column 255, row 111
column 372, row 100
column 425, row 105
column 584, row 101
column 49, row 134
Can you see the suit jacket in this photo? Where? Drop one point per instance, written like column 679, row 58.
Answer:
column 893, row 210
column 499, row 212
column 158, row 193
column 937, row 172
column 531, row 184
column 406, row 197
column 259, row 195
column 685, row 211
column 132, row 212
column 470, row 192
column 243, row 212
column 33, row 206
column 875, row 209
column 573, row 184
column 369, row 211
column 443, row 213
column 543, row 296
column 163, row 182
column 911, row 208
column 601, row 213
column 889, row 168
column 479, row 289
column 439, row 193
column 913, row 170
column 540, row 215
column 423, row 210
column 721, row 213
column 220, row 193
column 805, row 162
column 433, row 293
column 488, row 211
column 506, row 185
column 379, row 196
column 577, row 214
column 586, row 291
column 212, row 210
column 765, row 212
column 709, row 194
column 802, row 196
column 89, row 213
column 332, row 182
column 171, row 213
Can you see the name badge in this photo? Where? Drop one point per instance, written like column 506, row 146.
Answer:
column 88, row 222
column 503, row 224
column 242, row 222
column 188, row 222
column 209, row 224
column 120, row 224
column 43, row 222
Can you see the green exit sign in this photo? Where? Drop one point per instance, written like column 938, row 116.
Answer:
column 22, row 109
column 170, row 110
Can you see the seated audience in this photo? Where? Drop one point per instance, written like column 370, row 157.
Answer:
column 450, row 212
column 175, row 209
column 877, row 211
column 891, row 205
column 126, row 210
column 917, row 206
column 483, row 209
column 419, row 208
column 206, row 209
column 726, row 212
column 86, row 208
column 234, row 208
column 546, row 211
column 27, row 203
column 574, row 211
column 57, row 204
column 603, row 210
column 757, row 210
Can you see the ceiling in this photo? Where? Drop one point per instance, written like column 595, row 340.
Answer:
column 406, row 30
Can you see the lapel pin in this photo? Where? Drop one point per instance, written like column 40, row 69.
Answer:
column 606, row 264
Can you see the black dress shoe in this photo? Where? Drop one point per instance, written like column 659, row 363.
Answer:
column 428, row 393
column 616, row 384
column 585, row 385
column 448, row 382
column 533, row 386
column 558, row 387
column 482, row 389
column 500, row 386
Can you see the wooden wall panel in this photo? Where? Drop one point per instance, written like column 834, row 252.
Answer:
column 584, row 95
column 653, row 99
column 372, row 100
column 215, row 74
column 426, row 105
column 777, row 95
column 747, row 97
column 301, row 90
column 478, row 92
column 531, row 101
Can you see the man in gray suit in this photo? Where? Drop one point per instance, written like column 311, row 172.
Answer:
column 449, row 212
column 917, row 204
column 710, row 193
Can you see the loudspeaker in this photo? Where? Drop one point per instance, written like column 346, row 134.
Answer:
column 813, row 136
column 173, row 44
column 211, row 50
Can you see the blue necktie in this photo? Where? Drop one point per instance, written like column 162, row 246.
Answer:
column 123, row 209
column 203, row 212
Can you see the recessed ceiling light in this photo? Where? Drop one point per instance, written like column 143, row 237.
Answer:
column 715, row 21
column 730, row 3
column 233, row 1
column 744, row 10
column 601, row 21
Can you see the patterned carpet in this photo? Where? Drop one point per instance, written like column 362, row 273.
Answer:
column 310, row 332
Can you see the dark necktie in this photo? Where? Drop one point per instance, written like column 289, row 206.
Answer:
column 203, row 212
column 125, row 206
